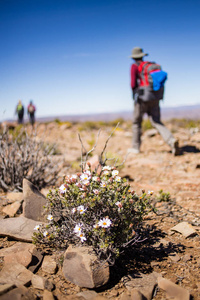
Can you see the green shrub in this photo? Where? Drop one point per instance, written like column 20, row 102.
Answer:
column 99, row 210
column 163, row 196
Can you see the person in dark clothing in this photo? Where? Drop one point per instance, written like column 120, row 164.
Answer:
column 20, row 112
column 149, row 106
column 31, row 112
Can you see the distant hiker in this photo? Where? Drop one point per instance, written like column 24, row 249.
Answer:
column 147, row 83
column 31, row 112
column 20, row 112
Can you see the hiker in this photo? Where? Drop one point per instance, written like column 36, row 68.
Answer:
column 147, row 83
column 31, row 112
column 20, row 112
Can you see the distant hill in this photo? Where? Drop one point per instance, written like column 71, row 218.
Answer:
column 188, row 112
column 167, row 113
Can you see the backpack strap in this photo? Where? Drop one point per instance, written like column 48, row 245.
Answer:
column 142, row 68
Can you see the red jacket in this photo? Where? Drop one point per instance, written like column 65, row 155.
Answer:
column 134, row 76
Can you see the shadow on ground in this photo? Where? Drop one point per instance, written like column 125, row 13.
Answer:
column 139, row 258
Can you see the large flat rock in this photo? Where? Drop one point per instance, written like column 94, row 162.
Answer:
column 19, row 228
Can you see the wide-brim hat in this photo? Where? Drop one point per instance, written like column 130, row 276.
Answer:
column 137, row 52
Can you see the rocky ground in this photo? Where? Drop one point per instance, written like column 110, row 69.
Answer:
column 172, row 254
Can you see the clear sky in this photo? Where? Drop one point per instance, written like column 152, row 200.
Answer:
column 72, row 56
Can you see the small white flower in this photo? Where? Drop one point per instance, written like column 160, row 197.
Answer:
column 106, row 172
column 86, row 182
column 81, row 209
column 105, row 223
column 74, row 210
column 82, row 237
column 45, row 233
column 85, row 177
column 94, row 178
column 50, row 217
column 77, row 228
column 37, row 227
column 103, row 184
column 115, row 173
column 106, row 168
column 118, row 178
column 96, row 192
column 62, row 189
column 150, row 192
column 95, row 226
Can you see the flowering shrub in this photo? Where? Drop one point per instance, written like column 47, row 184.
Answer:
column 100, row 210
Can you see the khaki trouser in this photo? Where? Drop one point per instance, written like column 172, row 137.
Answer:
column 152, row 108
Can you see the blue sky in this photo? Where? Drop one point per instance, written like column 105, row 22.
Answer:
column 72, row 56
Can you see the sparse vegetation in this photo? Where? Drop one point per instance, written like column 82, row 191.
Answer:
column 163, row 196
column 185, row 123
column 25, row 156
column 96, row 209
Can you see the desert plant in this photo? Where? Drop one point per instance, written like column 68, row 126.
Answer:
column 163, row 196
column 96, row 209
column 24, row 156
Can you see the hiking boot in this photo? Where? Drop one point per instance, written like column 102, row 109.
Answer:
column 133, row 150
column 175, row 148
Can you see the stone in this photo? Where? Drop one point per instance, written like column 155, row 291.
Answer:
column 82, row 267
column 136, row 295
column 175, row 257
column 34, row 202
column 47, row 295
column 173, row 290
column 185, row 229
column 125, row 296
column 49, row 265
column 12, row 209
column 15, row 273
column 12, row 196
column 20, row 293
column 88, row 295
column 4, row 288
column 19, row 228
column 41, row 283
column 25, row 254
column 144, row 283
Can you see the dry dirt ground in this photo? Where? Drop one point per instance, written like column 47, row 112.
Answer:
column 177, row 258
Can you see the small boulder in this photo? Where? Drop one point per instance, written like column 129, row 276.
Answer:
column 14, row 196
column 49, row 265
column 143, row 283
column 34, row 202
column 12, row 209
column 185, row 229
column 82, row 267
column 41, row 283
column 173, row 290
